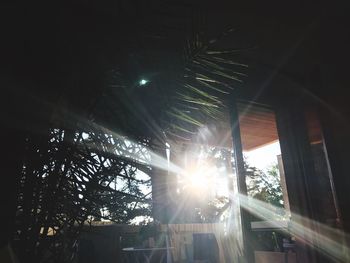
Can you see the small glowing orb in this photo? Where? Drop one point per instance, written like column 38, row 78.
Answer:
column 143, row 82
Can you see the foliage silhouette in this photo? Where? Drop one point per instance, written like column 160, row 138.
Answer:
column 74, row 165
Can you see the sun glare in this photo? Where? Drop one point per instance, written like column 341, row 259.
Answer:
column 198, row 179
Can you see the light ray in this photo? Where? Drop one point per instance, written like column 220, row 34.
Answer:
column 329, row 241
column 155, row 160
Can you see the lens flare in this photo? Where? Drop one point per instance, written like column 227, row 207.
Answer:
column 328, row 241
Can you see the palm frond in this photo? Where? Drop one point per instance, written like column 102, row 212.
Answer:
column 208, row 73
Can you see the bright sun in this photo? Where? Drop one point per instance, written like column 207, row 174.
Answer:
column 198, row 179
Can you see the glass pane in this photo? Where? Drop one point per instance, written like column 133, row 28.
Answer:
column 262, row 157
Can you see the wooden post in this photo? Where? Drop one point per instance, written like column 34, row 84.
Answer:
column 241, row 178
column 159, row 184
column 283, row 183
